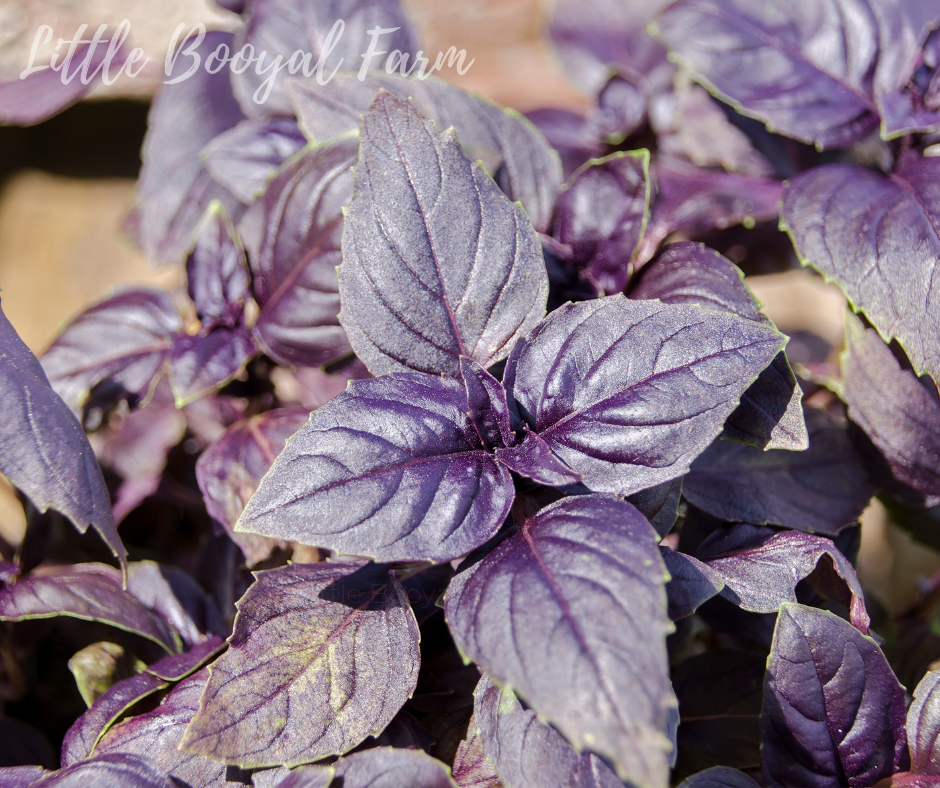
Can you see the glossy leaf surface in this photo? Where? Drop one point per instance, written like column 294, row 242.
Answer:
column 437, row 263
column 282, row 27
column 80, row 740
column 627, row 392
column 760, row 569
column 322, row 656
column 695, row 200
column 217, row 271
column 392, row 469
column 833, row 711
column 128, row 771
column 571, row 613
column 691, row 583
column 205, row 363
column 660, row 505
column 597, row 37
column 879, row 237
column 88, row 591
column 602, row 217
column 719, row 777
column 770, row 415
column 122, row 342
column 384, row 767
column 923, row 726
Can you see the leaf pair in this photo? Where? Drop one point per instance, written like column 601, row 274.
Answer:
column 621, row 394
column 404, row 467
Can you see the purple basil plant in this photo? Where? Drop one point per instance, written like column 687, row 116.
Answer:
column 467, row 457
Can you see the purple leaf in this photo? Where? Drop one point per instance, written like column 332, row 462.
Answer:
column 719, row 777
column 205, row 363
column 20, row 776
column 175, row 187
column 487, row 406
column 695, row 201
column 244, row 158
column 824, row 488
column 322, row 656
column 570, row 134
column 628, row 393
column 534, row 459
column 122, row 342
column 176, row 598
column 879, row 237
column 81, row 739
column 392, row 469
column 691, row 583
column 760, row 570
column 691, row 125
column 602, row 217
column 803, row 68
column 598, row 37
column 43, row 449
column 437, row 263
column 472, row 769
column 770, row 415
column 659, row 505
column 305, row 777
column 510, row 148
column 128, row 771
column 833, row 711
column 923, row 726
column 157, row 735
column 175, row 667
column 904, row 27
column 228, row 471
column 893, row 407
column 217, row 271
column 282, row 27
column 313, row 387
column 383, row 767
column 528, row 753
column 135, row 445
column 571, row 613
column 691, row 273
column 293, row 236
column 92, row 592
column 42, row 94
column 620, row 109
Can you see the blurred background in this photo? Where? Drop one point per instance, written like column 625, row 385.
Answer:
column 66, row 185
